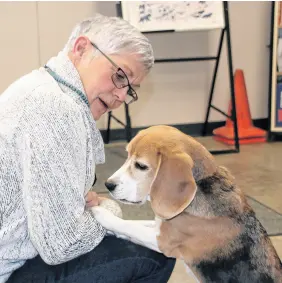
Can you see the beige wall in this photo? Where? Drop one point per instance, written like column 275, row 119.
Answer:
column 19, row 44
column 174, row 93
column 53, row 34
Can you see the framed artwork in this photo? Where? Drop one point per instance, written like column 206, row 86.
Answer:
column 275, row 87
column 278, row 106
column 173, row 15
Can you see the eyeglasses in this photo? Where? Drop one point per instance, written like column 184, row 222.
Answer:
column 120, row 79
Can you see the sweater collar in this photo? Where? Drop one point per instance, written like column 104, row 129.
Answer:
column 63, row 67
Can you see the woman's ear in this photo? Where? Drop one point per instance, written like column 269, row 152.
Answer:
column 80, row 46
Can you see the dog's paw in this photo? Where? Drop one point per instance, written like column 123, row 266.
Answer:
column 101, row 213
column 113, row 224
column 112, row 206
column 105, row 217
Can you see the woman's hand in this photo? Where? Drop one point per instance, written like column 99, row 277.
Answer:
column 92, row 199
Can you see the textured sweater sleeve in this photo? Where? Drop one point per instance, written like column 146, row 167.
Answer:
column 54, row 166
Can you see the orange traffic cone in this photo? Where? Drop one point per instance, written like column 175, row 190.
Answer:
column 246, row 131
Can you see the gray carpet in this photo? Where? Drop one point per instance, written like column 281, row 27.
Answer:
column 115, row 157
column 270, row 219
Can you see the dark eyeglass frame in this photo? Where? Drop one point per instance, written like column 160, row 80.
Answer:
column 130, row 92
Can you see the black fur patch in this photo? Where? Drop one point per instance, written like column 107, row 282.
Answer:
column 236, row 268
column 233, row 271
column 215, row 182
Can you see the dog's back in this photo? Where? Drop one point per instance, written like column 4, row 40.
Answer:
column 252, row 259
column 248, row 257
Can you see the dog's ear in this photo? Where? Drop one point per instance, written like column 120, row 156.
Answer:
column 174, row 187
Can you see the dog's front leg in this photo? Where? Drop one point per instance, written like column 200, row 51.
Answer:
column 131, row 230
column 147, row 223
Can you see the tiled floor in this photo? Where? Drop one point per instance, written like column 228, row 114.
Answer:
column 257, row 169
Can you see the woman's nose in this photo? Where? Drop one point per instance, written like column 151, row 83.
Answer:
column 121, row 93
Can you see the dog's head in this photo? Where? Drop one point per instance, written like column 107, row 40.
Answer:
column 160, row 166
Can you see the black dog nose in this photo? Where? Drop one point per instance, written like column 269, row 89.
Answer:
column 110, row 186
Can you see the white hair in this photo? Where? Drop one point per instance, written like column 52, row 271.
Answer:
column 114, row 35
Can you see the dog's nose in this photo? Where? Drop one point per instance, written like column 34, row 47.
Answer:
column 110, row 186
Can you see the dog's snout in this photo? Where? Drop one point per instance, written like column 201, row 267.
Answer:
column 110, row 186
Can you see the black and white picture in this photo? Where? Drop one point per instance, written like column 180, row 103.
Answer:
column 173, row 15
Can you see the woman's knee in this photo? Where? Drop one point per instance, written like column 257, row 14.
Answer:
column 155, row 267
column 146, row 265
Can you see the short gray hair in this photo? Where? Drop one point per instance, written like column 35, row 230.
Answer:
column 114, row 35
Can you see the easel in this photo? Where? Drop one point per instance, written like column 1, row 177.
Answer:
column 233, row 116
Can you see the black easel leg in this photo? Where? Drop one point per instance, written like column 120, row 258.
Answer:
column 229, row 55
column 269, row 134
column 107, row 140
column 204, row 131
column 128, row 123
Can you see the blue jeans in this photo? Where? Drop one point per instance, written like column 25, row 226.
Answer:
column 112, row 261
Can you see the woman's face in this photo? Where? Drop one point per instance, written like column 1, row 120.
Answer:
column 96, row 74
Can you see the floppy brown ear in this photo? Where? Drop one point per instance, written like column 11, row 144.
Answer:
column 174, row 187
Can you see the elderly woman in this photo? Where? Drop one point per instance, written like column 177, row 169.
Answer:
column 49, row 146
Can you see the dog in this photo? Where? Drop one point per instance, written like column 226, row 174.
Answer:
column 202, row 217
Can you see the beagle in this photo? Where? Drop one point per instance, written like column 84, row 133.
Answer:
column 202, row 217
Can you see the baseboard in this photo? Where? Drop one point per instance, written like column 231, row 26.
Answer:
column 190, row 129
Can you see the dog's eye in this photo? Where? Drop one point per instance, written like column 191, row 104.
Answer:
column 140, row 166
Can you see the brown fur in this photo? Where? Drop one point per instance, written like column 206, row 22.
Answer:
column 174, row 186
column 207, row 220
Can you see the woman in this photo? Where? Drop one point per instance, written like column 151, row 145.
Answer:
column 49, row 146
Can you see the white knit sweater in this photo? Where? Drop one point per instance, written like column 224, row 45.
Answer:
column 49, row 145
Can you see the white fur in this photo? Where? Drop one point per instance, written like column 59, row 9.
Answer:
column 144, row 234
column 126, row 186
column 131, row 187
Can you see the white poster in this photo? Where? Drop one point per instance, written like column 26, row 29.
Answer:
column 174, row 15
